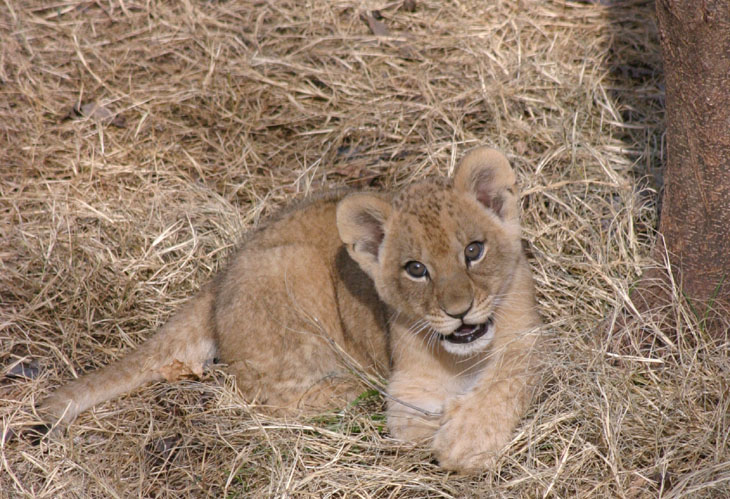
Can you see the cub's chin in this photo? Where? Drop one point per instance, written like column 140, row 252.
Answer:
column 469, row 339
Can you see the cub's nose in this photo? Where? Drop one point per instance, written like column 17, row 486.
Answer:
column 458, row 315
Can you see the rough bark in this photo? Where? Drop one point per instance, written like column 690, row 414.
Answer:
column 695, row 218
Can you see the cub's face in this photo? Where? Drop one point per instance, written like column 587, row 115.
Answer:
column 441, row 253
column 445, row 262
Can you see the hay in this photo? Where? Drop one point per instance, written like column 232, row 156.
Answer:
column 140, row 138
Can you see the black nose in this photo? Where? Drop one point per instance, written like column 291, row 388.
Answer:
column 458, row 315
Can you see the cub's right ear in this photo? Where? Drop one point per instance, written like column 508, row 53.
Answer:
column 361, row 221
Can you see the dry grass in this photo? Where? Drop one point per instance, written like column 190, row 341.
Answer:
column 227, row 110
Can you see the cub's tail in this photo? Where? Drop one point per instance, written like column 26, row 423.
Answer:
column 180, row 348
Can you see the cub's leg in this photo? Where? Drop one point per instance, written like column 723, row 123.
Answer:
column 473, row 404
column 479, row 423
column 277, row 324
column 186, row 341
column 419, row 386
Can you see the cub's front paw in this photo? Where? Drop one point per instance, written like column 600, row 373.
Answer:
column 469, row 437
column 410, row 426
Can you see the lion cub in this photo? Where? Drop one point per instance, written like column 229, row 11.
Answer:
column 428, row 286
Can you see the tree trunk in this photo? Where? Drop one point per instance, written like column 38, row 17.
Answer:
column 695, row 218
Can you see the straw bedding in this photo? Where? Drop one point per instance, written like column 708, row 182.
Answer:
column 140, row 139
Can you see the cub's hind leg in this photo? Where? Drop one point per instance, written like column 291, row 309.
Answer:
column 278, row 329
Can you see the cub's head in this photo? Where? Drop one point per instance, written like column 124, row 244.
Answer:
column 442, row 252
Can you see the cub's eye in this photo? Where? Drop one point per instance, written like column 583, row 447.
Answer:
column 473, row 251
column 416, row 269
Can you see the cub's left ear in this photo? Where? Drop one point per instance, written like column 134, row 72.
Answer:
column 487, row 175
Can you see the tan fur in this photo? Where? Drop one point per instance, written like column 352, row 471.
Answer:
column 327, row 280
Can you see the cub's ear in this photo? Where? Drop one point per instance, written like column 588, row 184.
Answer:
column 487, row 175
column 361, row 221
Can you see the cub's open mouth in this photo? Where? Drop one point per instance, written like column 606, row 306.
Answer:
column 468, row 332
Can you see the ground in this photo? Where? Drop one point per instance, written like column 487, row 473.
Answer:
column 140, row 139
